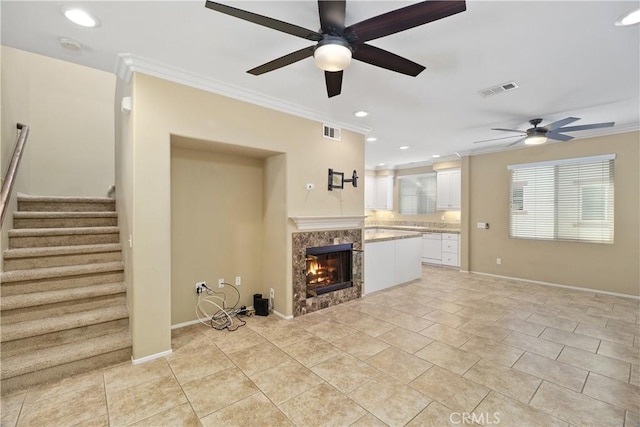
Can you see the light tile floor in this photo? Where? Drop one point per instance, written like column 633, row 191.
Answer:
column 450, row 349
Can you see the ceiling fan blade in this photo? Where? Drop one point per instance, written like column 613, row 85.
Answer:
column 509, row 130
column 282, row 61
column 384, row 59
column 402, row 19
column 586, row 127
column 516, row 142
column 560, row 123
column 495, row 139
column 275, row 24
column 559, row 136
column 332, row 16
column 334, row 82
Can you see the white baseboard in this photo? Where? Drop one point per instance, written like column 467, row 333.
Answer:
column 556, row 285
column 151, row 357
column 277, row 313
column 184, row 324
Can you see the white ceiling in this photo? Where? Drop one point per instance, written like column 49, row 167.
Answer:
column 567, row 58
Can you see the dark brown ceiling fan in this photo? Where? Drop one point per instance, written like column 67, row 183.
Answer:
column 555, row 130
column 336, row 44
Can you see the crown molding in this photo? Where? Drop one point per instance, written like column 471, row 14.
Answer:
column 128, row 64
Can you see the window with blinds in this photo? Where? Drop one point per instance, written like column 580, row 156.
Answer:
column 417, row 194
column 570, row 199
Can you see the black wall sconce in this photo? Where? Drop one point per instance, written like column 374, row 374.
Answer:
column 336, row 179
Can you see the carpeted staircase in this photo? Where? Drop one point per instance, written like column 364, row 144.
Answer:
column 63, row 302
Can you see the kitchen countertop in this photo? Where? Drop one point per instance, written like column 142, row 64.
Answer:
column 378, row 234
column 413, row 228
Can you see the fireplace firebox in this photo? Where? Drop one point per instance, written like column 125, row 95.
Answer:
column 329, row 268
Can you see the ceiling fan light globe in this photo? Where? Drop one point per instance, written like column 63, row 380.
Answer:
column 535, row 140
column 332, row 57
column 630, row 18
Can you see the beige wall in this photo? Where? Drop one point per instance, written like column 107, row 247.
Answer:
column 612, row 268
column 162, row 109
column 124, row 186
column 69, row 109
column 277, row 267
column 216, row 226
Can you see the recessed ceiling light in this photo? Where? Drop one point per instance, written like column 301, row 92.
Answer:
column 81, row 17
column 435, row 156
column 372, row 139
column 630, row 18
column 403, row 147
column 381, row 164
column 361, row 113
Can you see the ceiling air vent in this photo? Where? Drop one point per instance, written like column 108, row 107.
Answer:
column 331, row 133
column 498, row 89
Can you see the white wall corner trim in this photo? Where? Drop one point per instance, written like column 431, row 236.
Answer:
column 129, row 64
column 556, row 285
column 277, row 313
column 151, row 357
column 328, row 222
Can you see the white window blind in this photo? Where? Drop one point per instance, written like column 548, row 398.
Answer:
column 569, row 199
column 417, row 194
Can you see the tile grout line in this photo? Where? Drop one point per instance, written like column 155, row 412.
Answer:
column 182, row 388
column 106, row 398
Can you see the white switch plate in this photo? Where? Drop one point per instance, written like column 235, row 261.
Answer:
column 238, row 280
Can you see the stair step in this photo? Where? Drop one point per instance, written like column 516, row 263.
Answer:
column 39, row 300
column 54, row 272
column 45, row 312
column 47, row 359
column 55, row 278
column 65, row 204
column 64, row 219
column 32, row 328
column 63, row 309
column 68, row 336
column 47, row 237
column 58, row 256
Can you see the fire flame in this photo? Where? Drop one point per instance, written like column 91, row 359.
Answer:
column 313, row 268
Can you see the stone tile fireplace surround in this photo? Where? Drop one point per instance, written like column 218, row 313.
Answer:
column 307, row 239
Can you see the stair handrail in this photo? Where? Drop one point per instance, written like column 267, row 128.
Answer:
column 9, row 179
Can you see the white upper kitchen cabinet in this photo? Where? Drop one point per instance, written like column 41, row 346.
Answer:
column 378, row 192
column 449, row 189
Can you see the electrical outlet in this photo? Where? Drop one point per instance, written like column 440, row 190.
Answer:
column 200, row 286
column 498, row 261
column 221, row 283
column 310, row 187
column 238, row 280
column 271, row 293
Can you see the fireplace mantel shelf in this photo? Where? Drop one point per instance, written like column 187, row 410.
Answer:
column 328, row 222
